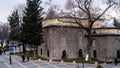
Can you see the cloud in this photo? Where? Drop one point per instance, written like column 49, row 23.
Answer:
column 7, row 6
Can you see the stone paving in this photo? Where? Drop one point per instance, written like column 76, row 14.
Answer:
column 16, row 63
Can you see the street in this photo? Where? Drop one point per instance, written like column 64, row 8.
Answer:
column 16, row 63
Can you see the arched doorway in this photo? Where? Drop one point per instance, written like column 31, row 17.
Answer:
column 64, row 56
column 80, row 53
column 41, row 51
column 94, row 54
column 118, row 54
column 48, row 53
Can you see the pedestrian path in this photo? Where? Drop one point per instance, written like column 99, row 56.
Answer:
column 16, row 63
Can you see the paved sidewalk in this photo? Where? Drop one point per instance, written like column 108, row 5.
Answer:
column 16, row 63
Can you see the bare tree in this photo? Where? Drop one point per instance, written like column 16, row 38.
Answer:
column 4, row 31
column 52, row 10
column 51, row 13
column 20, row 8
column 91, row 10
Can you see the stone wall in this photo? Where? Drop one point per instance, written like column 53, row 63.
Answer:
column 70, row 39
column 107, row 46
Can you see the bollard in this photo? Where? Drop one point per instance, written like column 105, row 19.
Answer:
column 50, row 60
column 74, row 61
column 62, row 61
column 39, row 59
column 96, row 63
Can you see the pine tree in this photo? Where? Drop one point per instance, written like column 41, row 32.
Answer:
column 31, row 32
column 14, row 24
column 116, row 23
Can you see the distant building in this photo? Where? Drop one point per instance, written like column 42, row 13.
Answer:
column 68, row 40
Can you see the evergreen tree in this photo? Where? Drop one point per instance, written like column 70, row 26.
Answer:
column 14, row 24
column 31, row 32
column 116, row 24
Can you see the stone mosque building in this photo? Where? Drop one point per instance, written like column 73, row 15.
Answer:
column 67, row 40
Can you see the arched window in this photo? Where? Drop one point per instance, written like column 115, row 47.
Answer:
column 94, row 54
column 63, row 41
column 48, row 53
column 118, row 54
column 80, row 37
column 64, row 56
column 41, row 51
column 80, row 53
column 94, row 42
column 80, row 40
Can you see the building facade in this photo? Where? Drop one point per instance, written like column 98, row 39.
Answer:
column 68, row 40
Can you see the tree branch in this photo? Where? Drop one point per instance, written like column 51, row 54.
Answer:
column 89, row 4
column 82, row 8
column 86, row 5
column 79, row 23
column 103, row 12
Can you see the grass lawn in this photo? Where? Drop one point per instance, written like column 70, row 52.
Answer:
column 26, row 54
column 29, row 54
column 80, row 60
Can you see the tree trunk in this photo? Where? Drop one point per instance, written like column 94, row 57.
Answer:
column 35, row 51
column 89, row 45
column 24, row 48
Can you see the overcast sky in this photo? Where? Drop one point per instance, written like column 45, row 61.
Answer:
column 7, row 6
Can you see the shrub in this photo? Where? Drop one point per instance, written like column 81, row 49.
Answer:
column 99, row 66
